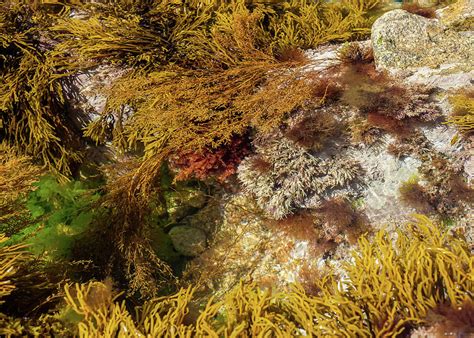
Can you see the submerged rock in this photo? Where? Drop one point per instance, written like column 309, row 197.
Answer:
column 187, row 240
column 403, row 40
column 182, row 202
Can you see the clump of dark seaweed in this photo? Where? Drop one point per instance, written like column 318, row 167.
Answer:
column 17, row 173
column 339, row 220
column 448, row 188
column 35, row 114
column 361, row 131
column 444, row 189
column 381, row 101
column 355, row 53
column 416, row 196
column 401, row 103
column 335, row 221
column 453, row 320
column 388, row 124
column 313, row 131
column 414, row 8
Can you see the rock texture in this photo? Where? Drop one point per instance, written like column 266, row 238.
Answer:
column 403, row 40
column 187, row 240
column 459, row 15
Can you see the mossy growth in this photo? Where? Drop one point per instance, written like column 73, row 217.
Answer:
column 58, row 213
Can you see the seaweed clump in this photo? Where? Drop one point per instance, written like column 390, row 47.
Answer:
column 17, row 174
column 340, row 219
column 314, row 131
column 462, row 115
column 295, row 176
column 27, row 294
column 415, row 195
column 35, row 112
column 381, row 102
column 220, row 163
column 335, row 221
column 442, row 188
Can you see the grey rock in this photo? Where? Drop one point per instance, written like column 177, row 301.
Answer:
column 445, row 77
column 187, row 240
column 402, row 40
column 384, row 174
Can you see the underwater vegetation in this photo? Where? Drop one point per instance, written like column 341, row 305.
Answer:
column 462, row 115
column 334, row 222
column 36, row 89
column 441, row 187
column 225, row 64
column 314, row 131
column 209, row 98
column 58, row 214
column 391, row 286
column 415, row 195
column 219, row 163
column 45, row 45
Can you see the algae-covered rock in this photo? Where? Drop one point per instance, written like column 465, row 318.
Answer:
column 187, row 240
column 182, row 202
column 402, row 40
column 207, row 218
column 459, row 15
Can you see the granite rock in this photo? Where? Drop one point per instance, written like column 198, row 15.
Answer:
column 403, row 40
